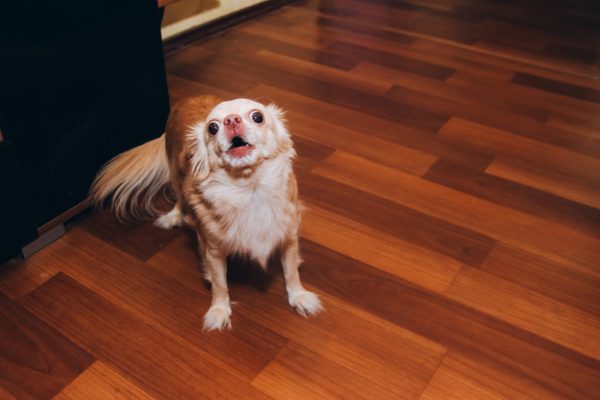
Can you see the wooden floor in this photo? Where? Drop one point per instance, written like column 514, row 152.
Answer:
column 449, row 155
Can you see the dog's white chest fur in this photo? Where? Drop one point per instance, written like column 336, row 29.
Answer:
column 254, row 213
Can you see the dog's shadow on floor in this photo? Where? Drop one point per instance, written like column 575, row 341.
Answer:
column 242, row 271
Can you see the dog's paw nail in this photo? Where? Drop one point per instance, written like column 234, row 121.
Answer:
column 217, row 318
column 305, row 302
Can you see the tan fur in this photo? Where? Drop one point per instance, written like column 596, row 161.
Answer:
column 245, row 204
column 133, row 179
column 180, row 148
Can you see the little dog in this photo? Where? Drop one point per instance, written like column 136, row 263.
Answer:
column 230, row 166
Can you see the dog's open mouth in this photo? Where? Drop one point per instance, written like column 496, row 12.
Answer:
column 238, row 142
column 239, row 147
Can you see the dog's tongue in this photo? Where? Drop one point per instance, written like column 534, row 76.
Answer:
column 241, row 151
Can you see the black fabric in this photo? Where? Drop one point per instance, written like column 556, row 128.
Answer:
column 17, row 228
column 79, row 83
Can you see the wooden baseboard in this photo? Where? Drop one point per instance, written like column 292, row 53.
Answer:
column 43, row 240
column 64, row 217
column 222, row 24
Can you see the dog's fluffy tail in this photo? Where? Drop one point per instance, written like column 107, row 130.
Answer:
column 132, row 180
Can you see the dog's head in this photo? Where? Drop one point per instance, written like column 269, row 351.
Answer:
column 242, row 133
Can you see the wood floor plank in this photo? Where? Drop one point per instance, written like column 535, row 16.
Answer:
column 159, row 365
column 193, row 67
column 180, row 88
column 326, row 58
column 423, row 267
column 533, row 152
column 562, row 88
column 533, row 312
column 287, row 377
column 511, row 34
column 459, row 378
column 36, row 360
column 499, row 222
column 515, row 63
column 327, row 14
column 385, row 152
column 328, row 33
column 537, row 58
column 520, row 197
column 388, row 216
column 465, row 94
column 142, row 241
column 542, row 100
column 576, row 125
column 470, row 78
column 435, row 28
column 362, row 54
column 550, row 179
column 545, row 167
column 310, row 153
column 180, row 258
column 369, row 84
column 498, row 119
column 289, row 20
column 585, row 55
column 5, row 394
column 100, row 382
column 420, row 266
column 460, row 328
column 563, row 283
column 17, row 278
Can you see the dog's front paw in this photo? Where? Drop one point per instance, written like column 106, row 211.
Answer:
column 305, row 302
column 217, row 317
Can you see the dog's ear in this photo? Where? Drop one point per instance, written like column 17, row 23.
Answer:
column 196, row 151
column 278, row 117
column 194, row 112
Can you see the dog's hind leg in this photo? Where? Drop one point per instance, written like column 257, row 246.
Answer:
column 171, row 219
column 305, row 302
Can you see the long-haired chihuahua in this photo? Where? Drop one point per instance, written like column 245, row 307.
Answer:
column 229, row 164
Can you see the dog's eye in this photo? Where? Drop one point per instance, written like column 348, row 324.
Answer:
column 213, row 128
column 257, row 117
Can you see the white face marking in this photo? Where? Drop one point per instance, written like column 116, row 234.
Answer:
column 260, row 136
